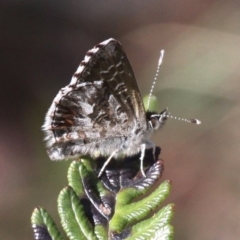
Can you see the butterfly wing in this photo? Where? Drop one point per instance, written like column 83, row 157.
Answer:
column 100, row 108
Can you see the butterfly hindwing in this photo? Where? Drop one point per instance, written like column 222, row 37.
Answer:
column 99, row 110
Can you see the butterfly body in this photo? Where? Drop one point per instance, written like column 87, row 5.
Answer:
column 101, row 110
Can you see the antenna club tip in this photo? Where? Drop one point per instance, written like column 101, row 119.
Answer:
column 196, row 121
column 161, row 57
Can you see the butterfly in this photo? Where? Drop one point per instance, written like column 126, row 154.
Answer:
column 101, row 111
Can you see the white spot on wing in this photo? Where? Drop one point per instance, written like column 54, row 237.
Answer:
column 107, row 41
column 79, row 69
column 87, row 58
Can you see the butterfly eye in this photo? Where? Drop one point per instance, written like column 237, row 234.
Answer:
column 154, row 122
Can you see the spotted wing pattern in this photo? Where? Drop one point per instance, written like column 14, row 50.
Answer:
column 101, row 110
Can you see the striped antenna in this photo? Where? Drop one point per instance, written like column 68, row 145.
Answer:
column 193, row 120
column 155, row 78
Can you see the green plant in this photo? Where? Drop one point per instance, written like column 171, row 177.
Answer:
column 118, row 205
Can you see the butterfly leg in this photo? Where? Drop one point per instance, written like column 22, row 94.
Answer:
column 154, row 150
column 143, row 148
column 107, row 162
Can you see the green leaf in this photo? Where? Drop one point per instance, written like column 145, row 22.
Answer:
column 42, row 223
column 125, row 215
column 155, row 227
column 74, row 179
column 73, row 218
column 109, row 207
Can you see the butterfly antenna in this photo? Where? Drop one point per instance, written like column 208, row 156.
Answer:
column 193, row 120
column 155, row 78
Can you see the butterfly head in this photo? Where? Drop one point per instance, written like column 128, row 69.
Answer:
column 156, row 120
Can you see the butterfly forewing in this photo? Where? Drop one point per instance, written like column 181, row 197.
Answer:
column 101, row 110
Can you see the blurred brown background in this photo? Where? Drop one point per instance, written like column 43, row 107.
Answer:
column 41, row 45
